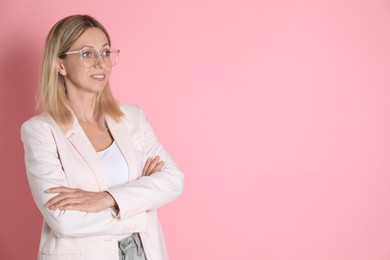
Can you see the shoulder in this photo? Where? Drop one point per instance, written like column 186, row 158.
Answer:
column 37, row 121
column 129, row 109
column 132, row 112
column 38, row 125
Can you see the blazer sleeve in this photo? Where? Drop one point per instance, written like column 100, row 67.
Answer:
column 149, row 192
column 44, row 171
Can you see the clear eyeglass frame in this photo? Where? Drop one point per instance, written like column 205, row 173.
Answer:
column 89, row 57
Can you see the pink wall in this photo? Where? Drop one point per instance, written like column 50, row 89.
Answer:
column 277, row 111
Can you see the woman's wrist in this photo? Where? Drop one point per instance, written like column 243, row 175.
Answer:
column 109, row 201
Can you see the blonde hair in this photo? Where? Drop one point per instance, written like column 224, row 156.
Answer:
column 52, row 92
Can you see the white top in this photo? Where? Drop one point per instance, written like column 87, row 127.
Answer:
column 116, row 169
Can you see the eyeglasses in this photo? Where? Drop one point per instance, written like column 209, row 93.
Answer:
column 90, row 57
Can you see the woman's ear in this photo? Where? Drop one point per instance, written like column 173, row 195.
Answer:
column 61, row 67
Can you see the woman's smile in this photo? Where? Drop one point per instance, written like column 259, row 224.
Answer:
column 99, row 77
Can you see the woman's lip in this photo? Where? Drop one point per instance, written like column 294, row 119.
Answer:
column 98, row 76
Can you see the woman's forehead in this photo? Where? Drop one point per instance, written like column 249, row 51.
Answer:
column 93, row 38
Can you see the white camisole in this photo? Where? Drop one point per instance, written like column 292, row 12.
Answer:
column 116, row 169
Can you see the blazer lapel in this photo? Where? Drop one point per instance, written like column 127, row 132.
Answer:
column 81, row 143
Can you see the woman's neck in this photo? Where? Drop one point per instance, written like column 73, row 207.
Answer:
column 84, row 108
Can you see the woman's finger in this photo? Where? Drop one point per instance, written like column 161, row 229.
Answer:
column 147, row 163
column 61, row 197
column 158, row 167
column 61, row 190
column 152, row 165
column 65, row 202
column 77, row 206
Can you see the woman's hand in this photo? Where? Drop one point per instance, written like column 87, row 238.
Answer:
column 77, row 199
column 152, row 166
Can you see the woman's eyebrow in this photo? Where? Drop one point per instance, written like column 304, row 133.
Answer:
column 88, row 46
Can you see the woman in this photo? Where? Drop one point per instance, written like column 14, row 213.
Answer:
column 96, row 169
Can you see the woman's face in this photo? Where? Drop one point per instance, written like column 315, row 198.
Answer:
column 80, row 79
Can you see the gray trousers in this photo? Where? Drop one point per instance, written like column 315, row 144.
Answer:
column 130, row 248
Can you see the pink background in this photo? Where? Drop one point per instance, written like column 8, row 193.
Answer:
column 278, row 112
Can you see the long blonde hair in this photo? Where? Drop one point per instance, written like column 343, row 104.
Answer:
column 52, row 92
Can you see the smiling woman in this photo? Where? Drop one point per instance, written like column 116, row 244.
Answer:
column 95, row 167
column 91, row 75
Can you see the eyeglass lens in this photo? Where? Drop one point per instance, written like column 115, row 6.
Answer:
column 89, row 57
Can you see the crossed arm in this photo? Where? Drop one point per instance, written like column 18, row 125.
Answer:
column 88, row 201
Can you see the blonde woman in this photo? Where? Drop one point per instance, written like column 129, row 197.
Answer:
column 96, row 169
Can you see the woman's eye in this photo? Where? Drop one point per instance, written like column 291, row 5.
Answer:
column 86, row 54
column 106, row 53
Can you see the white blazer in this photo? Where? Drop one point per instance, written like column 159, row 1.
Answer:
column 54, row 158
